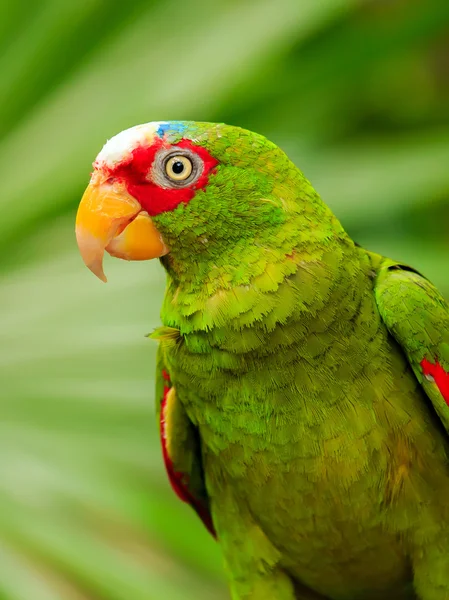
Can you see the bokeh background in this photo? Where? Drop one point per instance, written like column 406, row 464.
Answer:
column 356, row 92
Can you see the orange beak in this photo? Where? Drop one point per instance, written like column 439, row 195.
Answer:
column 110, row 219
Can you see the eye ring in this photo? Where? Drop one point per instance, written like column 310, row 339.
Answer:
column 178, row 167
column 162, row 169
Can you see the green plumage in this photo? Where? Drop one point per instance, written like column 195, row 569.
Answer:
column 295, row 356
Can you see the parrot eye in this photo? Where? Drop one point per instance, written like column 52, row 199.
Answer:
column 178, row 168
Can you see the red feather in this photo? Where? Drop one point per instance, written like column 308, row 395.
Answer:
column 441, row 377
column 179, row 481
column 153, row 198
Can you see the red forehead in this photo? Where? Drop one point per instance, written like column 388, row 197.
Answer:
column 153, row 198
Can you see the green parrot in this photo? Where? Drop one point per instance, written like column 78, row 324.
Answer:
column 303, row 382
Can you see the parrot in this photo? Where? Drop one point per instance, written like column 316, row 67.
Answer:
column 302, row 381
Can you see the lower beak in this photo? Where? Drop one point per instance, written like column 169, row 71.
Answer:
column 110, row 219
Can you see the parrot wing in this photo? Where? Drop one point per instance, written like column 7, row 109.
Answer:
column 181, row 449
column 417, row 316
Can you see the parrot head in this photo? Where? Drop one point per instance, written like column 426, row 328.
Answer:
column 192, row 192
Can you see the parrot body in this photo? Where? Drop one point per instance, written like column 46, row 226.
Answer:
column 303, row 383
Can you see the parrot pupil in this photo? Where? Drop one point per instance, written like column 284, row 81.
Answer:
column 178, row 167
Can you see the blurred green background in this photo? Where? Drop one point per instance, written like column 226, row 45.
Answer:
column 356, row 92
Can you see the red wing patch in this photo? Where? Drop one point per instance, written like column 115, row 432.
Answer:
column 440, row 376
column 179, row 481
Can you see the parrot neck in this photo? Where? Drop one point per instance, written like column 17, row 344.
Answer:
column 262, row 285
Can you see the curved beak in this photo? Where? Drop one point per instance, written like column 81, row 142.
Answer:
column 110, row 219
